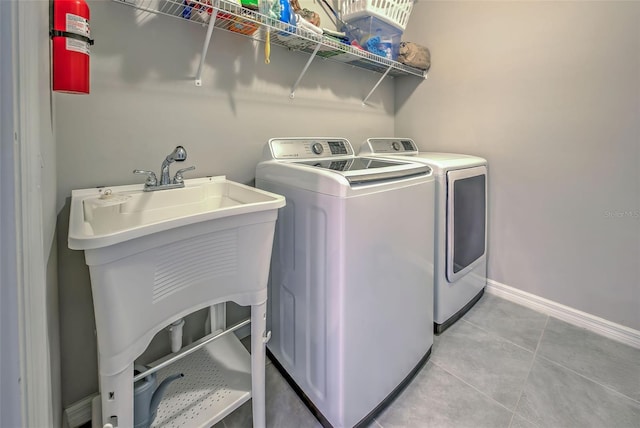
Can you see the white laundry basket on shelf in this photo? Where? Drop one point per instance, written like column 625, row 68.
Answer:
column 393, row 12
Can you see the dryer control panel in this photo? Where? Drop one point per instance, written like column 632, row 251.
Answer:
column 305, row 148
column 403, row 146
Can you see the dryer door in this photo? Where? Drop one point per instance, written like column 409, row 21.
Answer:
column 466, row 220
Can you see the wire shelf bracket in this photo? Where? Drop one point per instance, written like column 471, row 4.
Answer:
column 304, row 70
column 364, row 102
column 205, row 48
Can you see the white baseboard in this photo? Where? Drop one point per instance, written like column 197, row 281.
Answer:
column 578, row 318
column 79, row 413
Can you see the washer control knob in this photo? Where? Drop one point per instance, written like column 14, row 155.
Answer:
column 317, row 148
column 396, row 146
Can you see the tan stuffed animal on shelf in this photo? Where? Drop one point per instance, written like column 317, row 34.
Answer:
column 414, row 55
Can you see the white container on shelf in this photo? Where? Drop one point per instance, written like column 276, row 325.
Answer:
column 393, row 12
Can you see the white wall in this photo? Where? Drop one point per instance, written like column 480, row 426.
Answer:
column 144, row 102
column 549, row 93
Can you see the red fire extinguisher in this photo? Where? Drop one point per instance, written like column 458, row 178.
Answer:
column 71, row 41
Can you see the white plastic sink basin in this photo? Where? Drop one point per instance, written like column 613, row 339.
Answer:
column 155, row 257
column 108, row 216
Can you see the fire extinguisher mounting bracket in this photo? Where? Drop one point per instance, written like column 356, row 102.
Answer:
column 58, row 33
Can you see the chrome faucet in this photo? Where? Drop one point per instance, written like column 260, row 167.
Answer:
column 179, row 154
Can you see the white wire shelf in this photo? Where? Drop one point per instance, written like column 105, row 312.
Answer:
column 227, row 16
column 217, row 380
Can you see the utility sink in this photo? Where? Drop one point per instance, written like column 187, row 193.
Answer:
column 155, row 257
column 107, row 216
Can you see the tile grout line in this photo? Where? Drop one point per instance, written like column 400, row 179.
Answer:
column 475, row 388
column 494, row 335
column 608, row 388
column 548, row 359
column 533, row 361
column 501, row 337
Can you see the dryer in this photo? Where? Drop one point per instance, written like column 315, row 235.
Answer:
column 460, row 274
column 349, row 307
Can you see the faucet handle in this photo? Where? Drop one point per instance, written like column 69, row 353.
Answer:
column 178, row 178
column 152, row 180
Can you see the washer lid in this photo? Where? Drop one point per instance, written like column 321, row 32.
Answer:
column 336, row 156
column 364, row 170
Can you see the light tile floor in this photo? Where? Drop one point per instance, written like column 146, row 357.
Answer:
column 501, row 365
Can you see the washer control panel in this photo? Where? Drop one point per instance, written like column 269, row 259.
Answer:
column 403, row 146
column 304, row 148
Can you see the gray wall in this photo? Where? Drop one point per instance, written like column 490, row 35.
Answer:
column 143, row 103
column 549, row 93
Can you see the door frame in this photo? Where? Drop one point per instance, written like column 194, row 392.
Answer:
column 10, row 373
column 24, row 199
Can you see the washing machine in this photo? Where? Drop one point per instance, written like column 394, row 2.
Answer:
column 460, row 224
column 349, row 308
